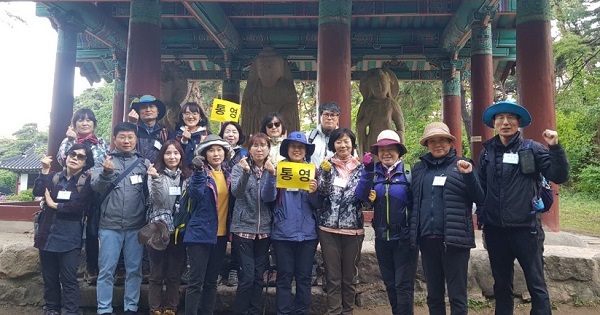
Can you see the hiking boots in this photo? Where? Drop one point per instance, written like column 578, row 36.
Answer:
column 90, row 276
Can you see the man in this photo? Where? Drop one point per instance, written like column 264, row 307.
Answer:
column 146, row 112
column 329, row 118
column 122, row 215
column 512, row 228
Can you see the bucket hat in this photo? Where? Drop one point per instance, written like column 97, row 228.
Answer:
column 155, row 234
column 506, row 107
column 436, row 129
column 388, row 137
column 148, row 100
column 299, row 137
column 211, row 140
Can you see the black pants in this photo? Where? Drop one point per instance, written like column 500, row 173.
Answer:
column 294, row 261
column 60, row 270
column 503, row 246
column 205, row 262
column 91, row 249
column 253, row 258
column 398, row 267
column 445, row 266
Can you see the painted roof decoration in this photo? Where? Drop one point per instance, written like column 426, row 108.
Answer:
column 219, row 38
column 27, row 162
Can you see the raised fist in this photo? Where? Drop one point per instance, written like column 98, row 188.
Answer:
column 464, row 166
column 368, row 162
column 198, row 162
column 325, row 166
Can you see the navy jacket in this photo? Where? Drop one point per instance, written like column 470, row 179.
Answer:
column 508, row 192
column 459, row 193
column 392, row 202
column 61, row 229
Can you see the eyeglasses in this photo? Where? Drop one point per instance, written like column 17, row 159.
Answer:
column 80, row 157
column 188, row 114
column 276, row 125
column 331, row 115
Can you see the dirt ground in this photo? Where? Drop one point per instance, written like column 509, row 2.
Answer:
column 420, row 310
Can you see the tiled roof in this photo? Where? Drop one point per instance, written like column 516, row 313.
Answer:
column 27, row 162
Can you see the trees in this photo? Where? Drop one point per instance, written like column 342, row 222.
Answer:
column 100, row 101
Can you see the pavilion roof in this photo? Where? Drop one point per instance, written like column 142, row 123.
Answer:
column 211, row 38
column 26, row 162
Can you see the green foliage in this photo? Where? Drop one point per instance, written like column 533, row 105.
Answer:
column 579, row 212
column 100, row 101
column 209, row 90
column 588, row 179
column 24, row 139
column 26, row 195
column 8, row 180
column 476, row 305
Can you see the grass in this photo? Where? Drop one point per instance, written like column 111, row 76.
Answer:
column 476, row 305
column 579, row 213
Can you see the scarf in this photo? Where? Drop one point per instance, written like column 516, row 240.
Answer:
column 345, row 166
column 91, row 138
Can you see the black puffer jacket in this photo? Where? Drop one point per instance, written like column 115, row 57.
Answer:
column 460, row 192
column 508, row 192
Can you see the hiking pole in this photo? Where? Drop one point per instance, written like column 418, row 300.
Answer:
column 266, row 284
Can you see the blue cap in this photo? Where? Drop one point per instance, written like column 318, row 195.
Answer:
column 506, row 107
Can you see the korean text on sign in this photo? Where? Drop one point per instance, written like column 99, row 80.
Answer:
column 294, row 175
column 223, row 110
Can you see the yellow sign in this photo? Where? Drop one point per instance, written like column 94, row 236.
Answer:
column 294, row 175
column 223, row 110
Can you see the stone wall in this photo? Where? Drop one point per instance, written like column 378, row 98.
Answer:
column 572, row 272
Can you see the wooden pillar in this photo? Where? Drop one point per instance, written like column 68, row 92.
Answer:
column 143, row 50
column 451, row 107
column 333, row 56
column 118, row 109
column 64, row 77
column 535, row 78
column 231, row 90
column 482, row 84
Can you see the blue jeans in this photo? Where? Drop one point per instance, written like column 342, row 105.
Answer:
column 294, row 261
column 111, row 244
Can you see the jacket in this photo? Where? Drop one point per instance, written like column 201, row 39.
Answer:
column 99, row 150
column 190, row 146
column 149, row 140
column 459, row 193
column 204, row 223
column 341, row 209
column 61, row 229
column 125, row 206
column 508, row 192
column 320, row 141
column 161, row 198
column 392, row 202
column 252, row 212
column 294, row 215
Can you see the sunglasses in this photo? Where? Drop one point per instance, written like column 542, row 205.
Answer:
column 276, row 125
column 80, row 157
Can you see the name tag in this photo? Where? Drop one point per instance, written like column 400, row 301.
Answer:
column 135, row 179
column 340, row 182
column 64, row 195
column 510, row 158
column 293, row 189
column 157, row 145
column 439, row 180
column 175, row 191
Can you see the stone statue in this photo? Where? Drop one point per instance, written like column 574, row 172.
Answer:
column 379, row 110
column 173, row 91
column 270, row 88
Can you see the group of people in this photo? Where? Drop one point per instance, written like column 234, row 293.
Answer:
column 230, row 184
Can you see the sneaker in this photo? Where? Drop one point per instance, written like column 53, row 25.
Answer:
column 232, row 278
column 51, row 312
column 156, row 312
column 169, row 312
column 90, row 276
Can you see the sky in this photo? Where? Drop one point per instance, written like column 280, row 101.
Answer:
column 27, row 61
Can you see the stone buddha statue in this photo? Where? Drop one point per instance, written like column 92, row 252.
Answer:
column 379, row 110
column 270, row 88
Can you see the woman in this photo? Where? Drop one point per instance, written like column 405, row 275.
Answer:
column 206, row 233
column 340, row 221
column 81, row 131
column 232, row 133
column 273, row 126
column 251, row 179
column 386, row 184
column 294, row 233
column 444, row 189
column 67, row 196
column 167, row 178
column 191, row 128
